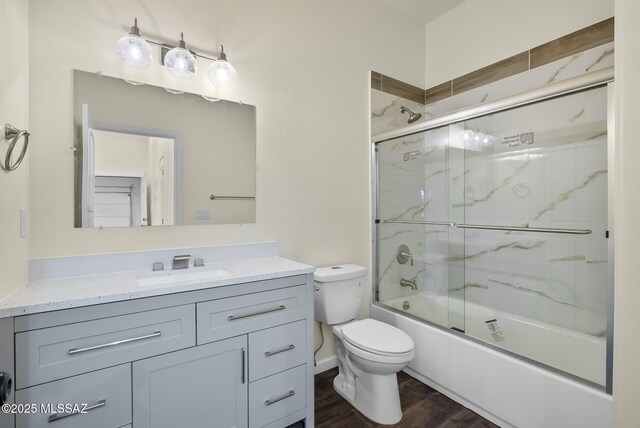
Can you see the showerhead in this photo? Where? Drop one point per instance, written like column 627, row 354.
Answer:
column 412, row 116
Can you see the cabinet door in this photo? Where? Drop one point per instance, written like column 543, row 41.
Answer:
column 204, row 386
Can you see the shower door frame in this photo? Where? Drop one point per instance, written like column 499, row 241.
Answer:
column 577, row 84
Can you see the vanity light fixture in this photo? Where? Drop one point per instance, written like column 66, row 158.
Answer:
column 133, row 50
column 179, row 61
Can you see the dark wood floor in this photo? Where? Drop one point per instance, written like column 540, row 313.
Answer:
column 422, row 407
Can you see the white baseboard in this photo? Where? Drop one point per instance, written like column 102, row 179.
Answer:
column 326, row 364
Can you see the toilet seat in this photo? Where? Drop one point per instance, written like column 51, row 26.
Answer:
column 377, row 341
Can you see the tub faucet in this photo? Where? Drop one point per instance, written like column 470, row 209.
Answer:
column 408, row 283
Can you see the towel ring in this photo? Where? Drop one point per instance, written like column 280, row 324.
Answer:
column 13, row 133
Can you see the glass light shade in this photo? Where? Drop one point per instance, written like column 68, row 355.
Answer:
column 222, row 73
column 134, row 51
column 180, row 63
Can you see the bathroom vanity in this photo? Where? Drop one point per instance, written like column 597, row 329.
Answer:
column 228, row 344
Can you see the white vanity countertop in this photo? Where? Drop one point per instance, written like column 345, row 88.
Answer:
column 64, row 293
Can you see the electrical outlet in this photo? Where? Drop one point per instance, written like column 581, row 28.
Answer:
column 203, row 214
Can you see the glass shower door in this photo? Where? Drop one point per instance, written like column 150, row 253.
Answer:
column 497, row 227
column 540, row 291
column 415, row 272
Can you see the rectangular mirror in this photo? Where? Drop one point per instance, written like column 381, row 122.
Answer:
column 149, row 157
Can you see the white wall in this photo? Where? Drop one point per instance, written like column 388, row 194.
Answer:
column 13, row 109
column 626, row 353
column 304, row 64
column 478, row 33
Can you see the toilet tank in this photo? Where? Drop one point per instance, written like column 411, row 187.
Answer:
column 338, row 292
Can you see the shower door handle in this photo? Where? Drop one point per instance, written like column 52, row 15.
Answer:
column 525, row 229
column 400, row 256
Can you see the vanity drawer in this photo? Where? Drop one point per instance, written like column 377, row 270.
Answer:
column 57, row 352
column 106, row 394
column 277, row 396
column 276, row 349
column 219, row 319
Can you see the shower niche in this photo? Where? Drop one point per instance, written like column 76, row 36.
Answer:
column 506, row 219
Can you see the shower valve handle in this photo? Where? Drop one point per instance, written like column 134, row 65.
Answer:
column 403, row 255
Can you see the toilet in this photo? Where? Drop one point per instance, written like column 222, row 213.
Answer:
column 369, row 352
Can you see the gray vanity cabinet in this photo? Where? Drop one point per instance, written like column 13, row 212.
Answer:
column 232, row 356
column 204, row 386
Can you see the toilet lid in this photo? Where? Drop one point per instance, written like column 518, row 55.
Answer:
column 377, row 337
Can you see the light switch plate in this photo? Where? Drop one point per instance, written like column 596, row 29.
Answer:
column 24, row 226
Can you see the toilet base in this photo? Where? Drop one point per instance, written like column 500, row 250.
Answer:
column 375, row 396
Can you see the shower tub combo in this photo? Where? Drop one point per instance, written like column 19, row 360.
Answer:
column 492, row 251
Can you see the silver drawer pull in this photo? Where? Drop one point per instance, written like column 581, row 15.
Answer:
column 58, row 416
column 253, row 314
column 288, row 348
column 118, row 342
column 291, row 393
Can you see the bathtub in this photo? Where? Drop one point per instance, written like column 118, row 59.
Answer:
column 504, row 389
column 573, row 352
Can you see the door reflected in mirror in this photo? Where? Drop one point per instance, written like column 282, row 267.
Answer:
column 136, row 189
column 148, row 157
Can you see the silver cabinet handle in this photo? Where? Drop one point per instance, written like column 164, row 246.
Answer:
column 243, row 365
column 253, row 314
column 291, row 393
column 118, row 342
column 287, row 348
column 58, row 416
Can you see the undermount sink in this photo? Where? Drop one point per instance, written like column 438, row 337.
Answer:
column 179, row 276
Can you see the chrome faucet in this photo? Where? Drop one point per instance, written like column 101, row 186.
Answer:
column 181, row 262
column 408, row 283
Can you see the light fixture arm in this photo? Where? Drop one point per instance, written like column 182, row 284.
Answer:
column 181, row 43
column 166, row 47
column 135, row 31
column 221, row 55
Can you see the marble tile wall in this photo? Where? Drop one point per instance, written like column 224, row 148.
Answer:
column 597, row 58
column 385, row 111
column 402, row 199
column 579, row 41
